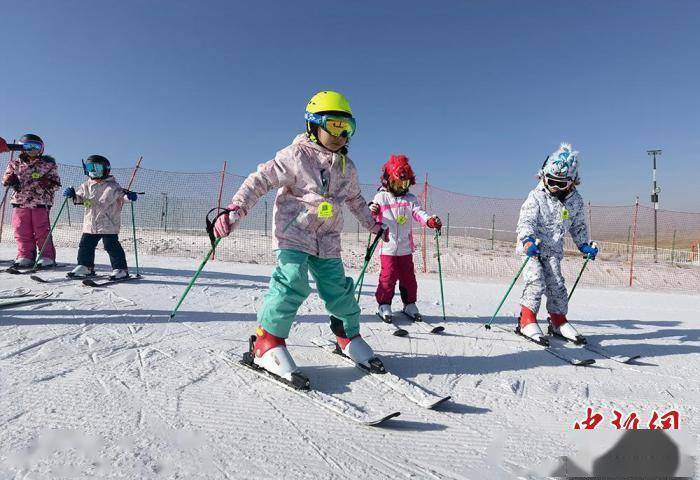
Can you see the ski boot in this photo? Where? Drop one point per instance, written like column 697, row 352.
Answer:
column 385, row 313
column 529, row 328
column 46, row 263
column 412, row 312
column 360, row 352
column 268, row 352
column 23, row 262
column 81, row 271
column 119, row 274
column 559, row 326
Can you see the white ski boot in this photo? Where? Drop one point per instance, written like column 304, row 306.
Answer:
column 361, row 353
column 46, row 263
column 412, row 312
column 269, row 353
column 81, row 271
column 23, row 262
column 529, row 328
column 385, row 313
column 118, row 274
column 561, row 327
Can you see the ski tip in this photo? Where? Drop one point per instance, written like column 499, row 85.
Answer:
column 400, row 332
column 438, row 329
column 37, row 278
column 584, row 363
column 631, row 359
column 376, row 421
column 438, row 402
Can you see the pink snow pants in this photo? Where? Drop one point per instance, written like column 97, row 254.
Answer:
column 397, row 268
column 31, row 226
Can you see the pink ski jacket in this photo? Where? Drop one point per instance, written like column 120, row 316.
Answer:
column 38, row 180
column 312, row 186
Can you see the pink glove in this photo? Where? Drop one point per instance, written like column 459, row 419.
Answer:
column 224, row 224
column 3, row 146
column 374, row 208
column 379, row 226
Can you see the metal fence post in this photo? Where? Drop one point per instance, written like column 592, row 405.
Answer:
column 493, row 231
column 634, row 239
column 266, row 218
column 673, row 247
column 447, row 239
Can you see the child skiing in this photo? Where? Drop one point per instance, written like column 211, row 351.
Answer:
column 314, row 178
column 34, row 178
column 551, row 209
column 397, row 208
column 103, row 199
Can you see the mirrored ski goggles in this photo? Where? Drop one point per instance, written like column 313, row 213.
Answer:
column 96, row 168
column 557, row 184
column 336, row 125
column 32, row 147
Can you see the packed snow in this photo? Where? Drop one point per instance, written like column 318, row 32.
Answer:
column 101, row 383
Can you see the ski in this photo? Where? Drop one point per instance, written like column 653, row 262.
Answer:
column 596, row 348
column 398, row 331
column 39, row 279
column 426, row 326
column 551, row 350
column 412, row 391
column 28, row 271
column 89, row 282
column 324, row 400
column 26, row 299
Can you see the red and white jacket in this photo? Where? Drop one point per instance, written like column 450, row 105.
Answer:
column 399, row 213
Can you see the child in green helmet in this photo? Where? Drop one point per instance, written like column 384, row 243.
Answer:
column 314, row 178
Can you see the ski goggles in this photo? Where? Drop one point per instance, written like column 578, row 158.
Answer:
column 336, row 125
column 32, row 147
column 557, row 184
column 399, row 185
column 94, row 170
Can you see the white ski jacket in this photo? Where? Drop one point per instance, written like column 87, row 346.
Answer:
column 545, row 217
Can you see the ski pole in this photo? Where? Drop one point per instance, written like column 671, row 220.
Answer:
column 2, row 211
column 442, row 291
column 136, row 248
column 195, row 277
column 368, row 257
column 361, row 279
column 48, row 238
column 588, row 258
column 214, row 243
column 515, row 279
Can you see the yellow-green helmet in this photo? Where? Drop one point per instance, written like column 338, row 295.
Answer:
column 329, row 101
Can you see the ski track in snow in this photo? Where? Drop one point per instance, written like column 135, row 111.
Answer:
column 159, row 401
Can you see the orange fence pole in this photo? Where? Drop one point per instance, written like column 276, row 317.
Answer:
column 4, row 203
column 133, row 173
column 218, row 202
column 634, row 239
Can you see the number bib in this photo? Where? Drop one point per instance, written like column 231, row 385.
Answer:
column 565, row 214
column 401, row 219
column 325, row 210
column 36, row 175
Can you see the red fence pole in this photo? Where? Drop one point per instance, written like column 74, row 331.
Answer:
column 218, row 202
column 425, row 206
column 4, row 203
column 634, row 239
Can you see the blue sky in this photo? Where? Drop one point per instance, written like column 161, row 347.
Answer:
column 476, row 93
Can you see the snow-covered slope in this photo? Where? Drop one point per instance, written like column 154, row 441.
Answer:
column 102, row 384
